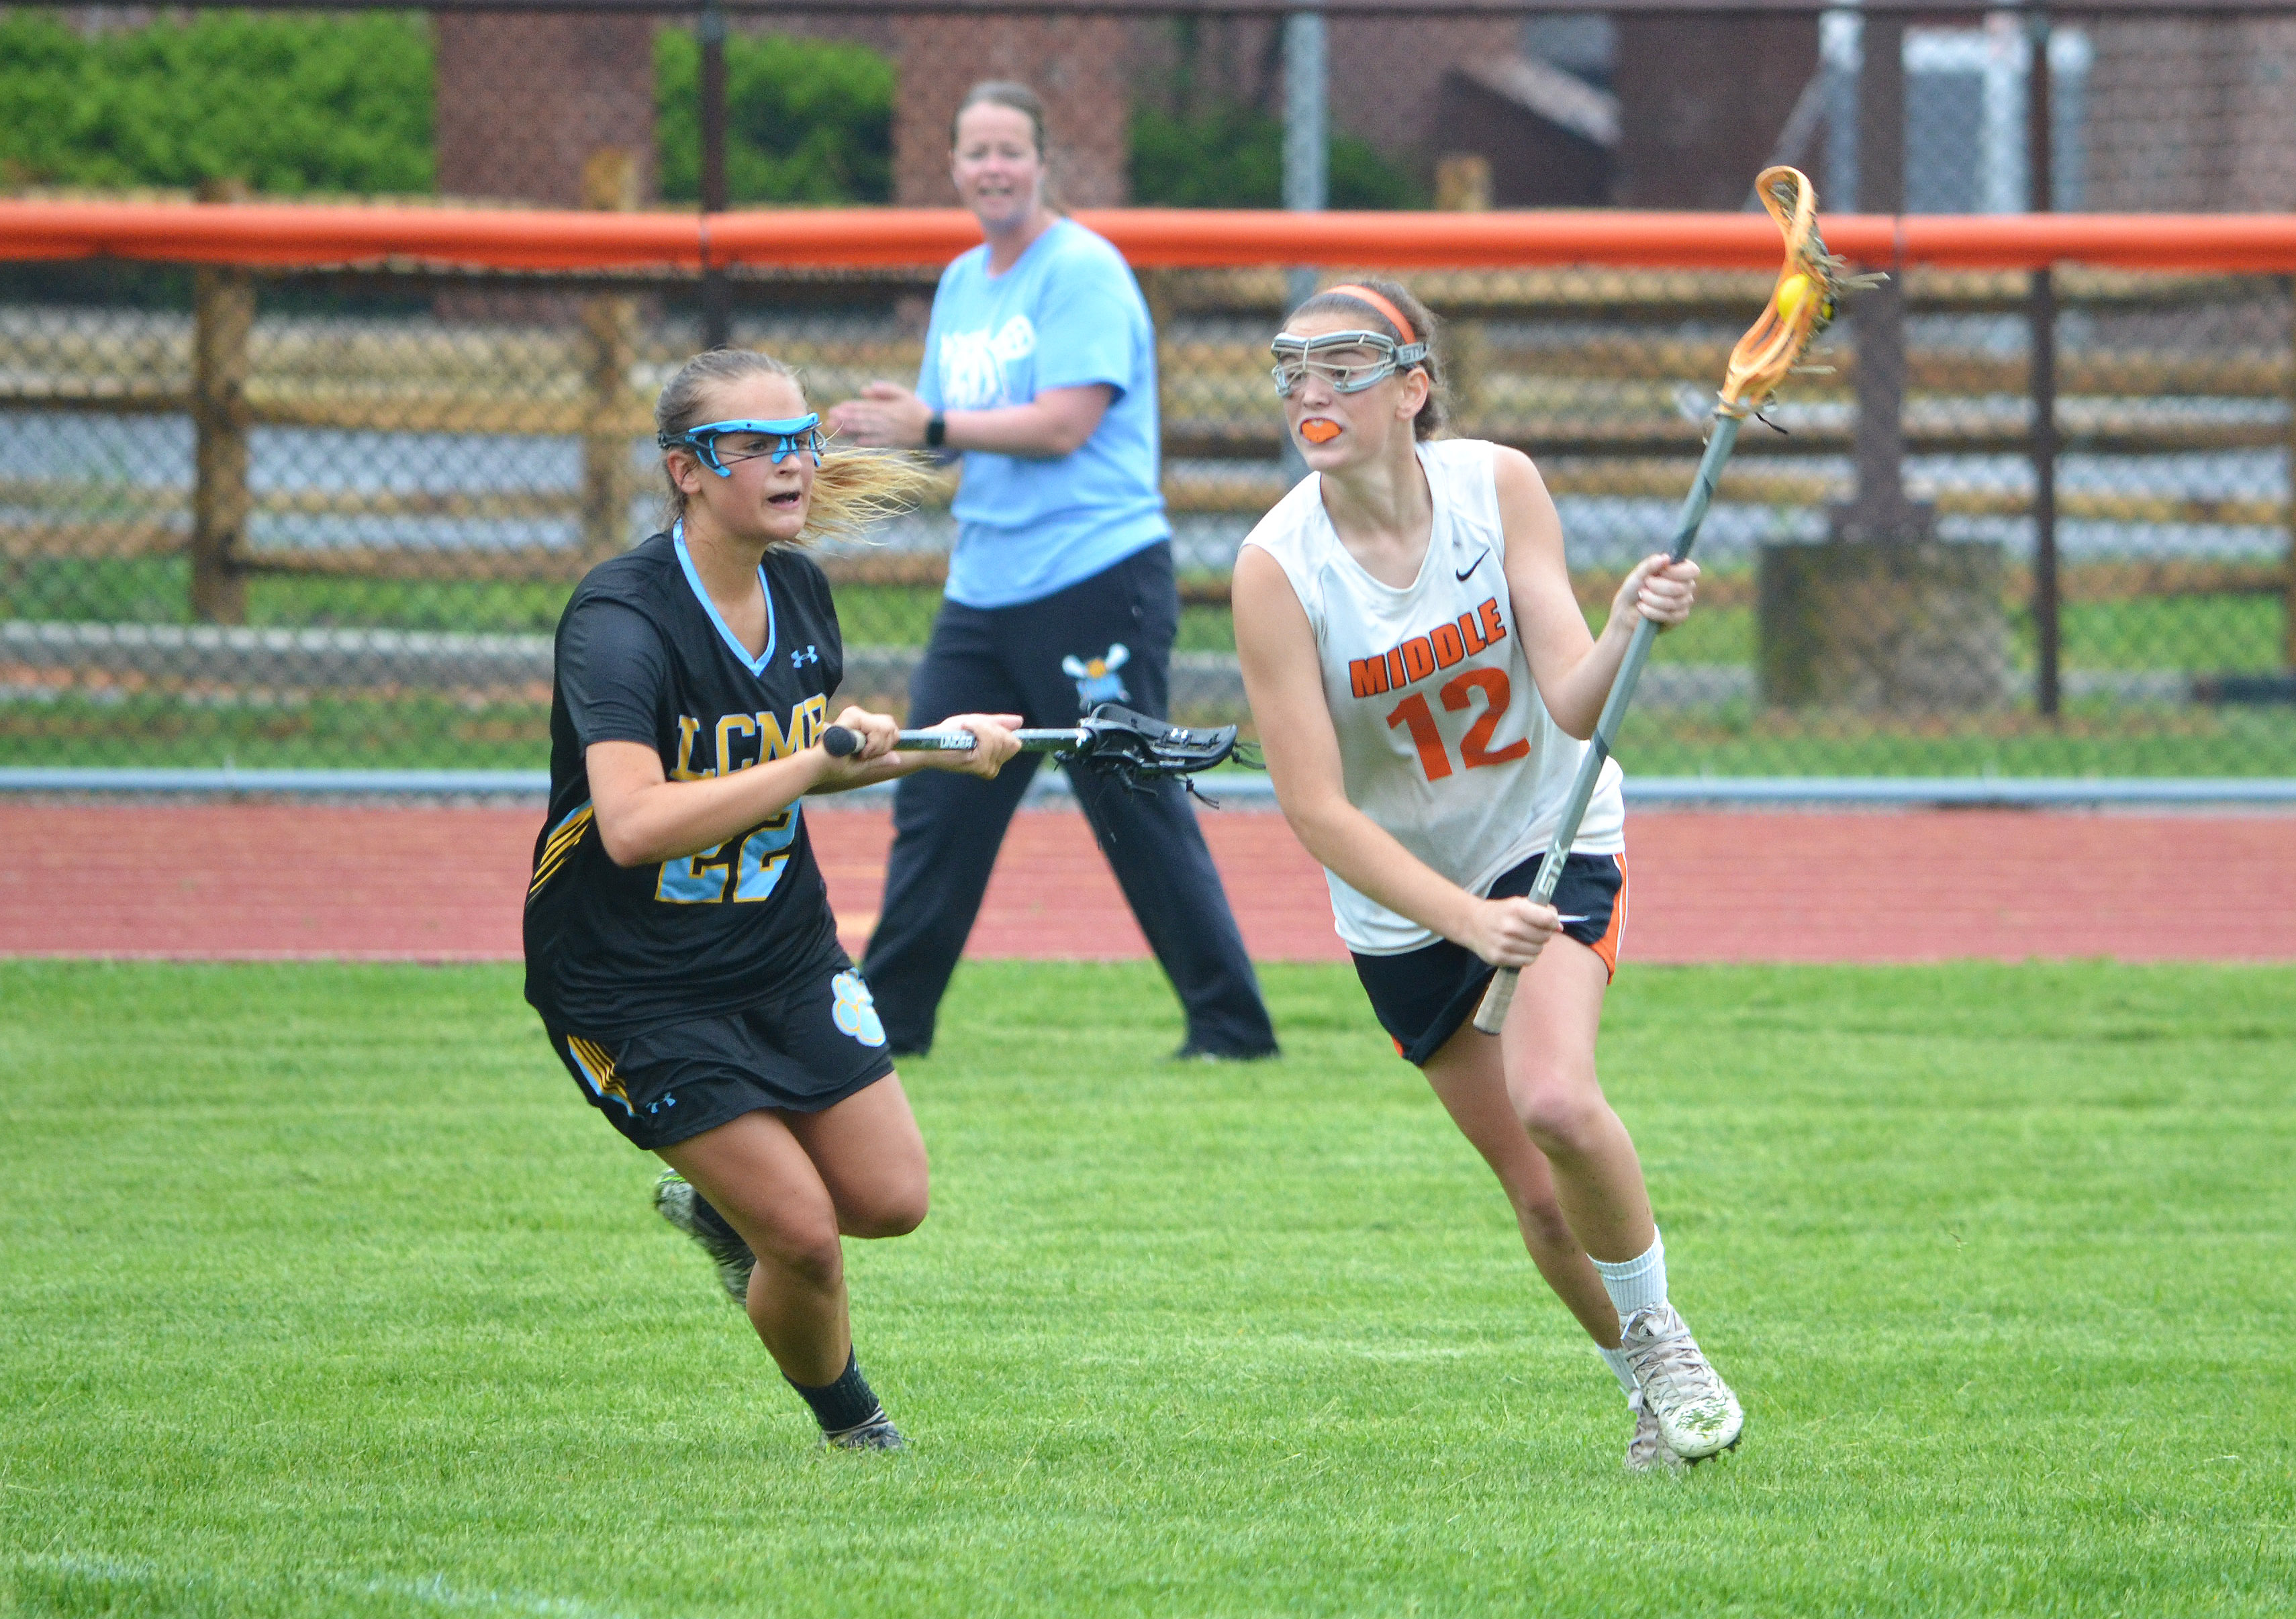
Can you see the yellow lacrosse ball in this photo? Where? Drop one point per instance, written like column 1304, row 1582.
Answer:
column 1790, row 292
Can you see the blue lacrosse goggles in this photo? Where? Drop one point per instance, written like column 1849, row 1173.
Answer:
column 784, row 439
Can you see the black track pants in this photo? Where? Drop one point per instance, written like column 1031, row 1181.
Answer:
column 946, row 827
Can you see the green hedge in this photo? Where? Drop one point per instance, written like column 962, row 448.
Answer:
column 296, row 103
column 811, row 121
column 1231, row 156
column 290, row 104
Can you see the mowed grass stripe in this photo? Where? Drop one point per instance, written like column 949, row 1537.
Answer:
column 325, row 1292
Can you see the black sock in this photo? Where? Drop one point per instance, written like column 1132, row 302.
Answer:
column 846, row 1403
column 706, row 1213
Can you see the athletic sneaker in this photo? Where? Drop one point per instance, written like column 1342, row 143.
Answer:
column 1648, row 1452
column 674, row 1198
column 1697, row 1414
column 1190, row 1051
column 877, row 1434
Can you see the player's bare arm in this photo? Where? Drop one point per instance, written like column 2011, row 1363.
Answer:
column 1574, row 668
column 1056, row 422
column 1282, row 680
column 643, row 817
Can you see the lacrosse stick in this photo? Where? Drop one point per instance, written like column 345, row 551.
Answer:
column 1136, row 749
column 1800, row 306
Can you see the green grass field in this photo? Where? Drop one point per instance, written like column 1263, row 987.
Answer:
column 325, row 1295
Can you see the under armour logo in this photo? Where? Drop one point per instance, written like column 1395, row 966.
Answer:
column 803, row 656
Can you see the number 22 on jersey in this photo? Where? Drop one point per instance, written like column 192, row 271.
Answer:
column 759, row 854
column 1456, row 693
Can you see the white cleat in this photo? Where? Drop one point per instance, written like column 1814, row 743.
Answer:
column 1696, row 1414
column 1648, row 1452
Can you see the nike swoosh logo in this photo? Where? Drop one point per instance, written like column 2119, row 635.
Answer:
column 1573, row 918
column 1470, row 567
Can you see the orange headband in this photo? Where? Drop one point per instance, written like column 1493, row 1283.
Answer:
column 1366, row 296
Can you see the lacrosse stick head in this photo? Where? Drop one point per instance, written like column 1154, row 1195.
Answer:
column 1137, row 749
column 1802, row 305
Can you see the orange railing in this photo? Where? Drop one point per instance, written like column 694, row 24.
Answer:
column 310, row 234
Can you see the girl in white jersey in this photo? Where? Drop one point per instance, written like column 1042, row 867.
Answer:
column 1423, row 681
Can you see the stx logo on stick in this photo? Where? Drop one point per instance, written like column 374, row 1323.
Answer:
column 1422, row 655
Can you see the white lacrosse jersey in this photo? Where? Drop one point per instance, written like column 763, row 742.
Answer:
column 1444, row 740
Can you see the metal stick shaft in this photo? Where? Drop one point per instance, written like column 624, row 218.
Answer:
column 958, row 741
column 1490, row 1015
column 843, row 743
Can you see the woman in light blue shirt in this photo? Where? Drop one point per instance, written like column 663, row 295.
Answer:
column 1040, row 369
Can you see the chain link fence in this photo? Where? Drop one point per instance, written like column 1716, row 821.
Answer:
column 2029, row 524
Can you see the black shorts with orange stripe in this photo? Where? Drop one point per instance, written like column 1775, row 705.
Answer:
column 806, row 1047
column 1422, row 997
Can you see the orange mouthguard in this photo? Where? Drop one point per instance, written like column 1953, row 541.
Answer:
column 1316, row 430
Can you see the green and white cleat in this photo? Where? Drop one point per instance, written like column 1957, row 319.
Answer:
column 1648, row 1452
column 1696, row 1413
column 675, row 1200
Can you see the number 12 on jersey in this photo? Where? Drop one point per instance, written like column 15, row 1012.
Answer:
column 1475, row 750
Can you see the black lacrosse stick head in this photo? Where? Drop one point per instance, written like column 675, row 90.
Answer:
column 1138, row 749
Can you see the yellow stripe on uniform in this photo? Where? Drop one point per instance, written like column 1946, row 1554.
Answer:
column 561, row 845
column 598, row 1066
column 568, row 832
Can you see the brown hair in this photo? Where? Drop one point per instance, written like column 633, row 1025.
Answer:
column 853, row 490
column 1002, row 92
column 1019, row 98
column 1337, row 300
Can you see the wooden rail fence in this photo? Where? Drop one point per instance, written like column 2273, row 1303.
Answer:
column 1598, row 408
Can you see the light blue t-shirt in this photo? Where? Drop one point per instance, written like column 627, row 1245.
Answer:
column 1067, row 315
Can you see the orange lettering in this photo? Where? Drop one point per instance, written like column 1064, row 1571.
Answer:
column 1414, row 712
column 1367, row 677
column 1498, row 690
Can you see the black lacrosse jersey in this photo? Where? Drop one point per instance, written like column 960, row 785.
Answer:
column 642, row 656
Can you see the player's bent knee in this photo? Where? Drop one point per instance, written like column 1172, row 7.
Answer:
column 891, row 1212
column 1563, row 1120
column 806, row 1250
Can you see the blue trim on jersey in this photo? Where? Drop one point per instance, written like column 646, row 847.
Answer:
column 756, row 665
column 567, row 816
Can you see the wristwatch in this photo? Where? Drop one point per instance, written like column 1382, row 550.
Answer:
column 936, row 430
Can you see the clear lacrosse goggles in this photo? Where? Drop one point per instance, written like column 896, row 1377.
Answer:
column 781, row 440
column 1296, row 360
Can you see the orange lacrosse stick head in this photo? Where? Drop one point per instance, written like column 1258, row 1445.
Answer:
column 1802, row 303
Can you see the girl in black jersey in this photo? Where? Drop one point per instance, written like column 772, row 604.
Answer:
column 679, row 944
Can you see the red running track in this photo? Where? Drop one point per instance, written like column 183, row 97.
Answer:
column 257, row 881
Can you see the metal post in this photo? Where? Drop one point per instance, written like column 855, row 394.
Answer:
column 1880, row 511
column 2041, row 317
column 1307, row 156
column 223, row 320
column 2288, row 578
column 1307, row 128
column 717, row 295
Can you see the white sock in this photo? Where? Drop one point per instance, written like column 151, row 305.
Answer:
column 1616, row 1360
column 1635, row 1284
